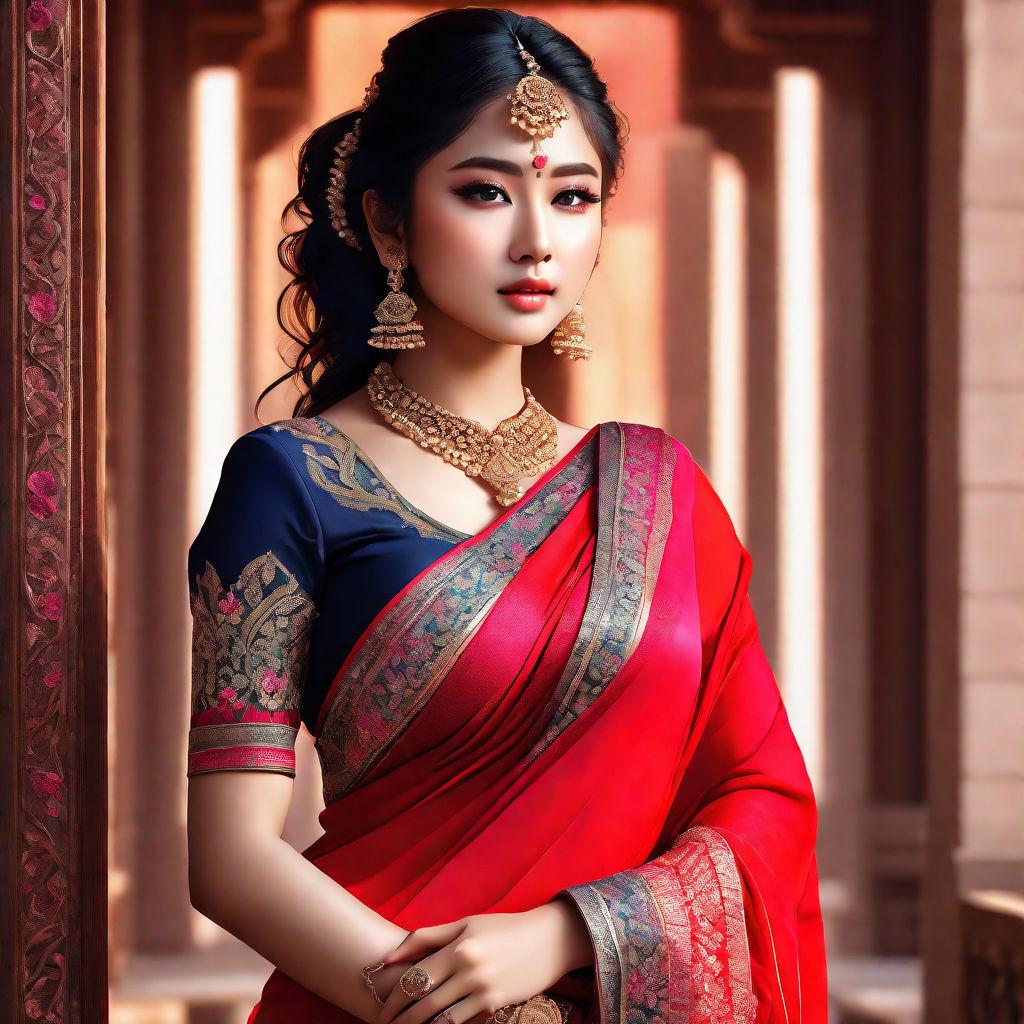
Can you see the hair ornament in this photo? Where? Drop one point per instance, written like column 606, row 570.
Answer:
column 536, row 105
column 343, row 153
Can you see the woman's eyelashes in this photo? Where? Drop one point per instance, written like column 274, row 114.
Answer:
column 585, row 196
column 485, row 191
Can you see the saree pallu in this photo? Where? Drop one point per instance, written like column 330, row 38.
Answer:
column 574, row 702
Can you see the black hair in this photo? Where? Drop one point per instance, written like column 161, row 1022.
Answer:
column 435, row 76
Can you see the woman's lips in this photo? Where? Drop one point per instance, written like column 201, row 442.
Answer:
column 525, row 301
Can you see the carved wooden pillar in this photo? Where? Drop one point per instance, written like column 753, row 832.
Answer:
column 53, row 600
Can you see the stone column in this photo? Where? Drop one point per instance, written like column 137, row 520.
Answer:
column 976, row 473
column 992, row 450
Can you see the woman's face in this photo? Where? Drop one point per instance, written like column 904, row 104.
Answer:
column 483, row 219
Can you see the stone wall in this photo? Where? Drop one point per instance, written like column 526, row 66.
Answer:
column 992, row 448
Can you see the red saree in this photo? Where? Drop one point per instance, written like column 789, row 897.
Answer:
column 575, row 701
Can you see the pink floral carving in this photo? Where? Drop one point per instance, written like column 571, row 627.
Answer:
column 42, row 306
column 52, row 605
column 54, row 676
column 37, row 202
column 41, row 485
column 228, row 605
column 38, row 16
column 46, row 783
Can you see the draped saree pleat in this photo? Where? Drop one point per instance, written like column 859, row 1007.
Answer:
column 536, row 714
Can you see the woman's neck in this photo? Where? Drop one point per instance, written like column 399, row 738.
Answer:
column 463, row 372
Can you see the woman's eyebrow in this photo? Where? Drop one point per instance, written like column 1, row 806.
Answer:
column 510, row 167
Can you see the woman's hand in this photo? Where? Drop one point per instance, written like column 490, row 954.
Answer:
column 485, row 961
column 385, row 981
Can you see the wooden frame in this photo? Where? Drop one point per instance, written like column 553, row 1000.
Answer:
column 52, row 575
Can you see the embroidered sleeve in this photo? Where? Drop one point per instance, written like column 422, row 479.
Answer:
column 254, row 571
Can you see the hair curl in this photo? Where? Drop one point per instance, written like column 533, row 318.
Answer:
column 435, row 76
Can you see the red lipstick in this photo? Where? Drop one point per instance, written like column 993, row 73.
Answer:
column 527, row 294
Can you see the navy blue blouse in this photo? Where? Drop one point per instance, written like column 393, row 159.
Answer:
column 305, row 542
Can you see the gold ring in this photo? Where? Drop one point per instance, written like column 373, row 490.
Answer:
column 415, row 982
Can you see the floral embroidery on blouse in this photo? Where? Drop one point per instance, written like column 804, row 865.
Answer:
column 250, row 645
column 338, row 466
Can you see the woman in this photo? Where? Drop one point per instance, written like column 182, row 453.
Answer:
column 560, row 784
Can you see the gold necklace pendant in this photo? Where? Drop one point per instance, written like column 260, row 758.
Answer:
column 521, row 445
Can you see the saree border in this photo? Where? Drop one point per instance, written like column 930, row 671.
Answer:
column 407, row 650
column 669, row 937
column 637, row 468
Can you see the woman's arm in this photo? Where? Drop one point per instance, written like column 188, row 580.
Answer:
column 255, row 572
column 244, row 876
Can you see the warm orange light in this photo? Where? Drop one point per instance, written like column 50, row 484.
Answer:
column 214, row 355
column 801, row 597
column 728, row 356
column 215, row 282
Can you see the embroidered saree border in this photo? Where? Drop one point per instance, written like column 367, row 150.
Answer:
column 634, row 518
column 670, row 938
column 393, row 672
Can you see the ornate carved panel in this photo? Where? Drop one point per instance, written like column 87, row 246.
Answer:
column 52, row 634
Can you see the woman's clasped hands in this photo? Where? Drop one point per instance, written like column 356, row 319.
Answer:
column 477, row 965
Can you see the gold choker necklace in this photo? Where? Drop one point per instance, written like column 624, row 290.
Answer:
column 522, row 445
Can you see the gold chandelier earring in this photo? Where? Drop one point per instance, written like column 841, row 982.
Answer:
column 396, row 327
column 569, row 335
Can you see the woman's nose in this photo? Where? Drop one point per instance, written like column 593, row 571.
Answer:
column 533, row 237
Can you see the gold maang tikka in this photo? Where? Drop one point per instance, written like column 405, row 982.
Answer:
column 536, row 106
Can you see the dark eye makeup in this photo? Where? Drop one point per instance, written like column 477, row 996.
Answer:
column 481, row 189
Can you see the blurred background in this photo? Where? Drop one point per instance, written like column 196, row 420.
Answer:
column 813, row 277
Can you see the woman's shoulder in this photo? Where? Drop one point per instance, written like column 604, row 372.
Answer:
column 282, row 434
column 263, row 476
column 262, row 453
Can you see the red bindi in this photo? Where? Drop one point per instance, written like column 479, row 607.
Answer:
column 539, row 161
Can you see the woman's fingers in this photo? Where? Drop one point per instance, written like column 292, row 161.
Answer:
column 421, row 941
column 451, row 998
column 461, row 1012
column 439, row 969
